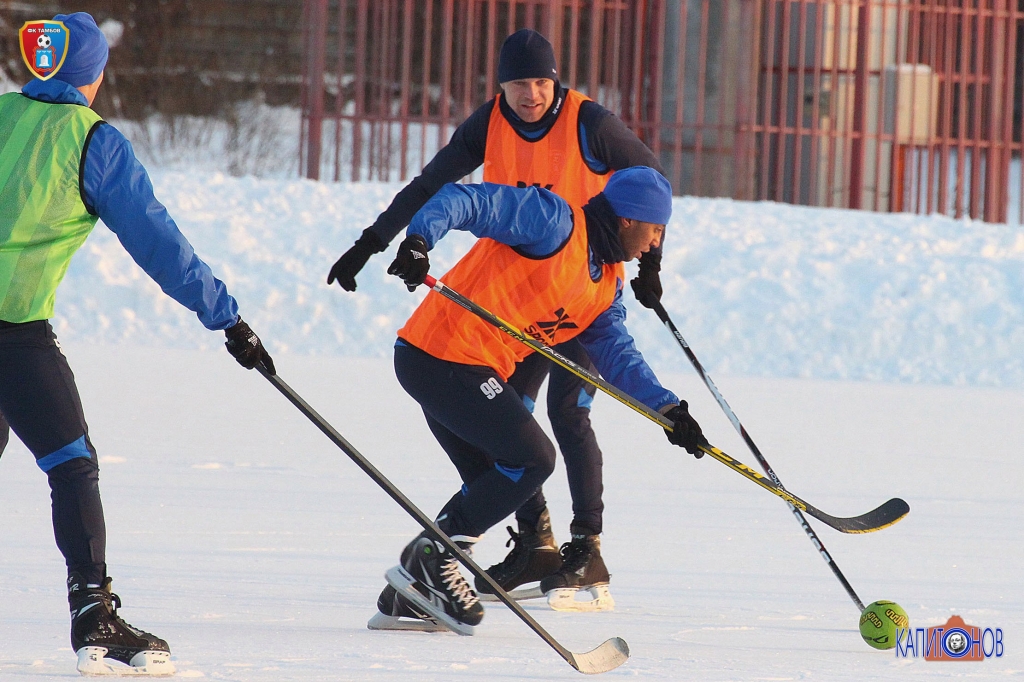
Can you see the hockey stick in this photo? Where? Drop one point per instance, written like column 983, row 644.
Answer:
column 819, row 545
column 876, row 519
column 609, row 655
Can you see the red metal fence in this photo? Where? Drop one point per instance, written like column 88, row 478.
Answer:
column 891, row 105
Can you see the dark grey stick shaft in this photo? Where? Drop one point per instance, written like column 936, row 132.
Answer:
column 819, row 545
column 413, row 511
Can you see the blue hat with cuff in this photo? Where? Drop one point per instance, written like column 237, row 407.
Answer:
column 87, row 50
column 640, row 193
column 526, row 54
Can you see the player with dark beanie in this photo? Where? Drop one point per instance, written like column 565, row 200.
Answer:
column 534, row 133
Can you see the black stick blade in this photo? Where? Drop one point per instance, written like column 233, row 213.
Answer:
column 610, row 655
column 876, row 519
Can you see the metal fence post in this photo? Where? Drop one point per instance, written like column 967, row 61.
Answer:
column 860, row 91
column 746, row 100
column 316, row 16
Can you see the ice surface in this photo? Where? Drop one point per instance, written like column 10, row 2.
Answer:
column 241, row 535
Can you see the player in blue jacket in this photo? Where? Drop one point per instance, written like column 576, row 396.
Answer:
column 555, row 271
column 62, row 168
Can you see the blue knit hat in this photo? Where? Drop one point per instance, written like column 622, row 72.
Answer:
column 87, row 50
column 526, row 54
column 640, row 193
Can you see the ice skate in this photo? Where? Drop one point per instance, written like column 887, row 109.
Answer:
column 398, row 613
column 429, row 577
column 534, row 556
column 104, row 643
column 583, row 574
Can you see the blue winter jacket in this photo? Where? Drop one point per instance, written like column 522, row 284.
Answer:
column 116, row 187
column 539, row 222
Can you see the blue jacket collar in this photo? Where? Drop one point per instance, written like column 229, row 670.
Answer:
column 54, row 91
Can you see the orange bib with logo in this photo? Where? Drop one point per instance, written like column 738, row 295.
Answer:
column 552, row 299
column 553, row 162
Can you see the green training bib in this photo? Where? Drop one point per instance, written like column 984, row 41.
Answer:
column 43, row 219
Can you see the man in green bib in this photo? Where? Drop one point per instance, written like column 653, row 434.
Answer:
column 61, row 169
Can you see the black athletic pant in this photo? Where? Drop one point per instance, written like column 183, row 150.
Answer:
column 500, row 451
column 40, row 401
column 569, row 399
column 5, row 434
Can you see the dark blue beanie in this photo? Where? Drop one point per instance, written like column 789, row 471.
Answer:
column 87, row 50
column 526, row 54
column 640, row 193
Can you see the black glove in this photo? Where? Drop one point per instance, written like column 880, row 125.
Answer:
column 411, row 263
column 246, row 347
column 353, row 260
column 685, row 431
column 647, row 285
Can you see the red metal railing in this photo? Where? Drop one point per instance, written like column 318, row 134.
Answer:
column 899, row 105
column 892, row 105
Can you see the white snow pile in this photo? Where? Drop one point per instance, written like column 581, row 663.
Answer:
column 757, row 289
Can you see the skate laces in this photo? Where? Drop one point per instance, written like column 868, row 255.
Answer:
column 519, row 546
column 115, row 604
column 575, row 555
column 457, row 586
column 516, row 538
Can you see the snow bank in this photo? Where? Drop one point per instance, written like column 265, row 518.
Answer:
column 758, row 289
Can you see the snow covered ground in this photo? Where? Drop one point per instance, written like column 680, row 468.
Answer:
column 869, row 355
column 758, row 289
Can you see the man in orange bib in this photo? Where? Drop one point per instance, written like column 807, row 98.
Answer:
column 556, row 272
column 534, row 133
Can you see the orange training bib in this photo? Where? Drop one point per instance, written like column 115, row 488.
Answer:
column 554, row 162
column 552, row 299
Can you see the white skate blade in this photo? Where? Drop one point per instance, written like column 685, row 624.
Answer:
column 382, row 621
column 92, row 663
column 517, row 594
column 564, row 599
column 404, row 584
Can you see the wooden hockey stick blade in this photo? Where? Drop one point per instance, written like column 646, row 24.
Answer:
column 610, row 655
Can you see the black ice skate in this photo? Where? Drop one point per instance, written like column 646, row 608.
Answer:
column 429, row 577
column 582, row 570
column 395, row 612
column 99, row 635
column 534, row 556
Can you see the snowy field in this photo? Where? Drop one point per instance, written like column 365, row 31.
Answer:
column 869, row 356
column 758, row 289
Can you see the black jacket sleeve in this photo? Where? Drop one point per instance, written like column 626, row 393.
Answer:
column 463, row 154
column 611, row 143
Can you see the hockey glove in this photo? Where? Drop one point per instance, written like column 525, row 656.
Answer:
column 647, row 286
column 353, row 260
column 685, row 431
column 411, row 263
column 246, row 347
